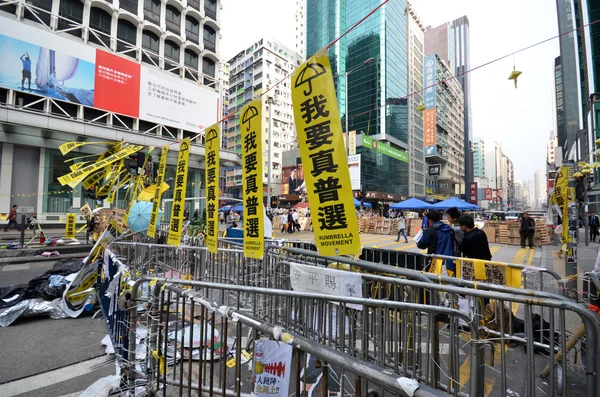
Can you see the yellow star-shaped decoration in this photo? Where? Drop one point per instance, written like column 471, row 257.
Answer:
column 514, row 75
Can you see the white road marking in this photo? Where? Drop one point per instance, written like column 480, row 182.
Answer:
column 51, row 378
column 10, row 268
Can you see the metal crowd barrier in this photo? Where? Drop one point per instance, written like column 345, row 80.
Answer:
column 428, row 347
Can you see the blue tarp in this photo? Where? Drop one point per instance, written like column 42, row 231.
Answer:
column 366, row 205
column 454, row 202
column 411, row 204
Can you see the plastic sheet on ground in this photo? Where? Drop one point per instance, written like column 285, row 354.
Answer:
column 32, row 307
column 103, row 387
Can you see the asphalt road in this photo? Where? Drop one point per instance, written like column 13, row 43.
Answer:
column 61, row 350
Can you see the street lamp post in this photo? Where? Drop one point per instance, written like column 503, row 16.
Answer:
column 365, row 63
column 270, row 101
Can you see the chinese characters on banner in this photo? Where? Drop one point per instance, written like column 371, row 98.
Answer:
column 324, row 158
column 473, row 193
column 70, row 227
column 490, row 272
column 159, row 181
column 488, row 193
column 213, row 143
column 561, row 199
column 252, row 162
column 429, row 130
column 179, row 194
column 326, row 281
column 429, row 96
column 272, row 368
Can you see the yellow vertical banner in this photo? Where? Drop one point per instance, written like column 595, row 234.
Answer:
column 323, row 157
column 162, row 167
column 561, row 198
column 213, row 145
column 70, row 227
column 178, row 207
column 252, row 177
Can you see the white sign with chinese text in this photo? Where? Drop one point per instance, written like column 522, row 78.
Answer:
column 326, row 281
column 354, row 167
column 272, row 368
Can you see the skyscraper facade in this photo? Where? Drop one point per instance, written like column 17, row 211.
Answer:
column 377, row 105
column 478, row 158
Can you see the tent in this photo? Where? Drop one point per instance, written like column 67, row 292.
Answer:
column 366, row 205
column 238, row 207
column 454, row 202
column 411, row 204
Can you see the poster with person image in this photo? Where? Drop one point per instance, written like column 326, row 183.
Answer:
column 292, row 181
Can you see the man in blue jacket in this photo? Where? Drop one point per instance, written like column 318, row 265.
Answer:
column 438, row 238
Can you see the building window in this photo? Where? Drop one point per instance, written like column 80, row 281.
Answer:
column 190, row 58
column 171, row 50
column 70, row 11
column 100, row 22
column 44, row 5
column 210, row 37
column 126, row 33
column 210, row 8
column 208, row 68
column 173, row 19
column 192, row 30
column 152, row 11
column 195, row 4
column 151, row 44
column 129, row 5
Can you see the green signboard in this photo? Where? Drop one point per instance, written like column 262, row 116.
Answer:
column 384, row 148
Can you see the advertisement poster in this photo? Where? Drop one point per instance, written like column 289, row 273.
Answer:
column 429, row 81
column 473, row 193
column 178, row 207
column 429, row 132
column 324, row 158
column 384, row 148
column 435, row 169
column 354, row 167
column 292, row 179
column 213, row 144
column 42, row 63
column 488, row 193
column 272, row 368
column 70, row 226
column 252, row 169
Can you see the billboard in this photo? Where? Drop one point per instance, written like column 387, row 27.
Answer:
column 384, row 148
column 41, row 63
column 429, row 132
column 429, row 81
column 435, row 169
column 473, row 193
column 292, row 179
column 354, row 167
column 488, row 193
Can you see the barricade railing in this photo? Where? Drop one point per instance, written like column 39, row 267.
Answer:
column 220, row 329
column 497, row 323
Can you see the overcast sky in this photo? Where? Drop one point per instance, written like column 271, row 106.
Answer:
column 520, row 119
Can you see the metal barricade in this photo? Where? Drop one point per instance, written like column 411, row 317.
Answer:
column 223, row 332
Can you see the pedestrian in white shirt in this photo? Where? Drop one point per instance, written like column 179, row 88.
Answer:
column 401, row 227
column 284, row 218
column 296, row 223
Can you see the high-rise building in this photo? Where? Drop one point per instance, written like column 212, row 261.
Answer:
column 539, row 186
column 443, row 126
column 162, row 58
column 253, row 70
column 451, row 42
column 415, row 47
column 371, row 65
column 479, row 158
column 301, row 28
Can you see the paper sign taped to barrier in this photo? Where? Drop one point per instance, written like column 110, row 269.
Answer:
column 328, row 281
column 272, row 368
column 489, row 272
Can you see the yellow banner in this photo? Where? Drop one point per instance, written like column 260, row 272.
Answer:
column 76, row 166
column 252, row 177
column 111, row 197
column 157, row 192
column 178, row 207
column 111, row 180
column 324, row 159
column 74, row 178
column 70, row 227
column 489, row 272
column 135, row 187
column 213, row 145
column 67, row 147
column 92, row 180
column 561, row 198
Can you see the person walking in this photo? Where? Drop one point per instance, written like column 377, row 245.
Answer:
column 284, row 219
column 401, row 227
column 196, row 215
column 593, row 223
column 186, row 214
column 290, row 222
column 12, row 219
column 221, row 217
column 474, row 243
column 296, row 220
column 453, row 215
column 439, row 239
column 527, row 230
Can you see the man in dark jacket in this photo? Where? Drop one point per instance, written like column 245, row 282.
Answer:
column 438, row 238
column 527, row 230
column 475, row 243
column 593, row 223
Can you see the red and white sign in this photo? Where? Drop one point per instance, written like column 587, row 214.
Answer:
column 117, row 84
column 473, row 193
column 488, row 193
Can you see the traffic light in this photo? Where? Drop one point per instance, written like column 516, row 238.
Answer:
column 274, row 201
column 91, row 192
column 136, row 162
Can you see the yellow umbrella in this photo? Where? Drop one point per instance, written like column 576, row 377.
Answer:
column 148, row 193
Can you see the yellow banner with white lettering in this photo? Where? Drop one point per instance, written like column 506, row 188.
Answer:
column 178, row 207
column 324, row 159
column 70, row 227
column 67, row 147
column 213, row 145
column 252, row 176
column 162, row 167
column 75, row 177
